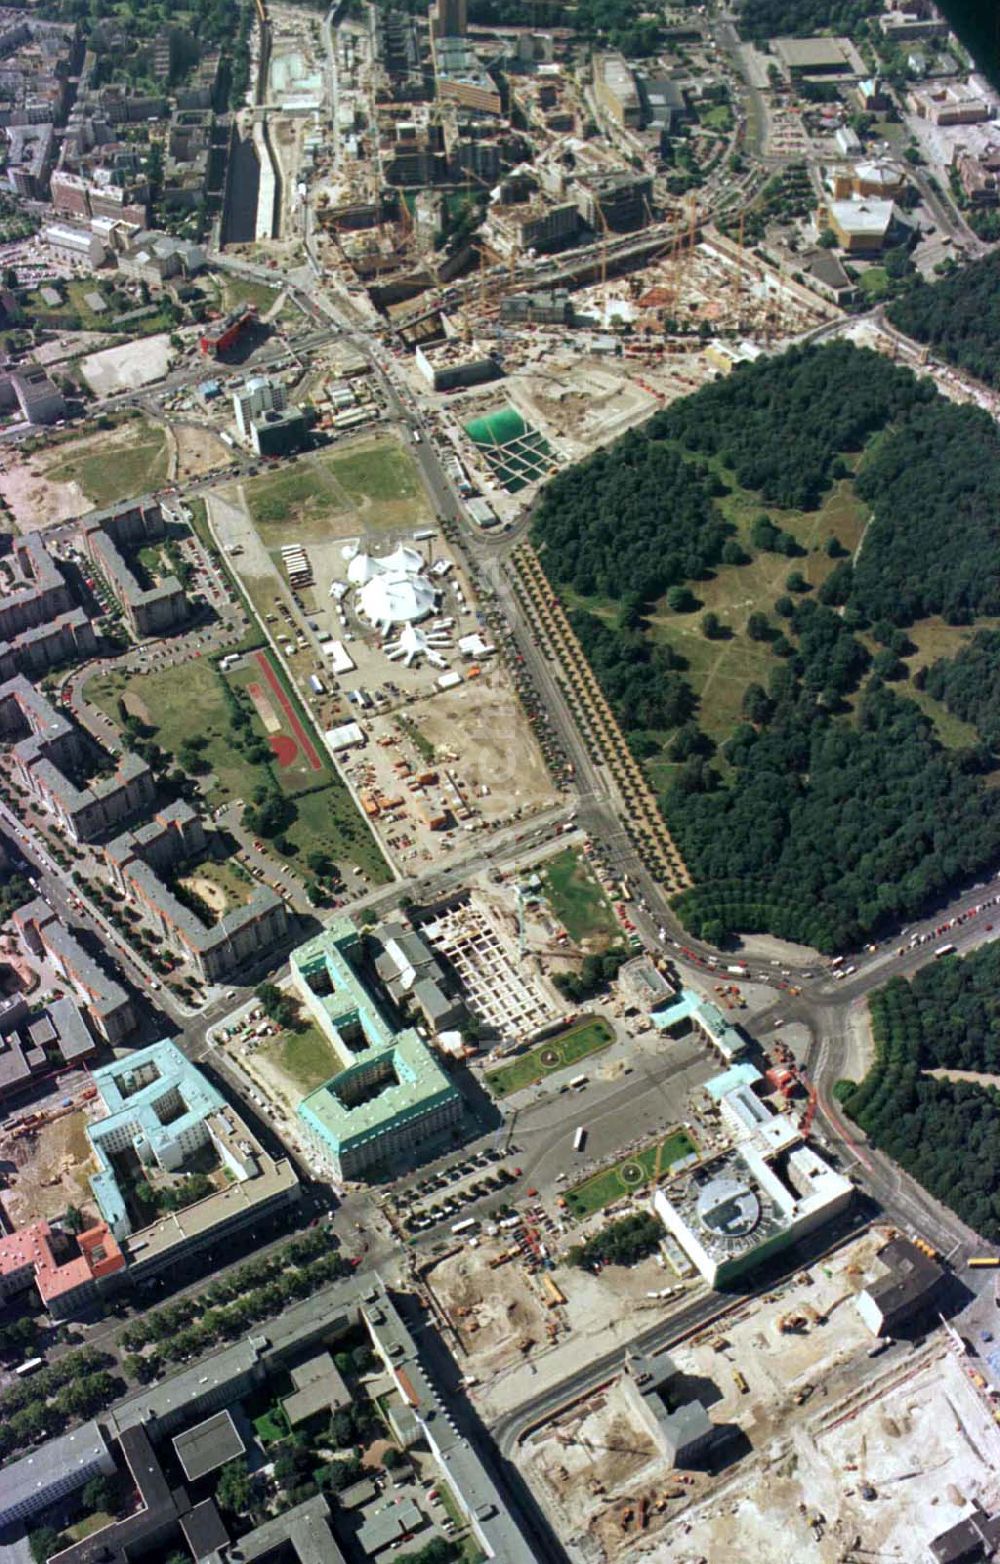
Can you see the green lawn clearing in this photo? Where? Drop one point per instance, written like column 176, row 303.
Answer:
column 576, row 898
column 240, row 291
column 271, row 1426
column 305, row 1057
column 300, row 497
column 629, row 1175
column 555, row 1053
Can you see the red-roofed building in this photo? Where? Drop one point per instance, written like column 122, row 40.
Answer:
column 65, row 1286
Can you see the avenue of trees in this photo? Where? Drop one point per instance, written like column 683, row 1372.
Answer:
column 969, row 684
column 958, row 316
column 945, row 1133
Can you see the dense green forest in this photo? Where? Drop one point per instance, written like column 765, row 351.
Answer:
column 832, row 809
column 969, row 684
column 959, row 316
column 800, row 18
column 945, row 1133
column 934, row 488
column 783, row 424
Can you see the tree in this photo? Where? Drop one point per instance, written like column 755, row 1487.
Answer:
column 74, row 1220
column 44, row 1541
column 277, row 1005
column 759, row 627
column 681, row 600
column 393, row 1459
column 98, row 1495
column 233, row 1487
column 827, row 239
column 712, row 627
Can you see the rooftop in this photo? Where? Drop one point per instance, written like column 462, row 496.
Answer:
column 208, row 1445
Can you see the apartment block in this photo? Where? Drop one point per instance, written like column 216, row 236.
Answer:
column 108, row 1006
column 109, row 537
column 35, row 592
column 140, row 860
column 63, row 768
column 68, row 1272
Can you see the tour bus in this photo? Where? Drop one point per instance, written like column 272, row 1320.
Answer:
column 944, row 950
column 577, row 1081
column 466, row 1225
column 29, row 1366
column 579, row 1138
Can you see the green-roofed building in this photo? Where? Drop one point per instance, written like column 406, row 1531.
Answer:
column 392, row 1097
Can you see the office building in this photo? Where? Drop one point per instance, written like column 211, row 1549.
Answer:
column 463, row 79
column 906, row 1285
column 391, row 1099
column 617, row 91
column 280, row 433
column 61, row 1466
column 160, row 1113
column 449, row 19
column 260, row 394
column 40, row 400
column 679, row 1425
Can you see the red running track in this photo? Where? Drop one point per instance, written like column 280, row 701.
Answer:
column 302, row 738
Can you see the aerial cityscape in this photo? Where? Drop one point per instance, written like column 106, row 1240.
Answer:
column 499, row 782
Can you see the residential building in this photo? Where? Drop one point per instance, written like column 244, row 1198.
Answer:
column 391, row 1098
column 36, row 591
column 38, row 1042
column 109, row 1007
column 616, row 90
column 68, row 639
column 259, row 394
column 30, row 159
column 907, row 19
column 141, row 864
column 110, row 537
column 68, row 1272
column 979, row 175
column 64, row 769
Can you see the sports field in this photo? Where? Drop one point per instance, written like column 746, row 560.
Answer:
column 555, row 1053
column 629, row 1175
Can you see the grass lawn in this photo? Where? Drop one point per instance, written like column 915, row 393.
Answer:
column 237, row 291
column 555, row 1053
column 78, row 1530
column 874, row 281
column 116, row 473
column 189, row 703
column 298, row 499
column 380, row 470
column 271, row 1426
column 629, row 1175
column 720, row 118
column 577, row 900
column 305, row 1057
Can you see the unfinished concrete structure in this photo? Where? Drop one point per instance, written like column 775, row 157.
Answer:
column 61, row 766
column 139, row 860
column 110, row 537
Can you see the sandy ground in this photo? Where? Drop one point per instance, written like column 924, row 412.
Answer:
column 38, row 501
column 51, row 1171
column 482, row 724
column 129, row 367
column 211, row 894
column 195, row 451
column 498, row 1314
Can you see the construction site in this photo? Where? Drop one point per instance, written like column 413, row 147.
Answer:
column 46, row 1158
column 512, row 1002
column 823, row 1443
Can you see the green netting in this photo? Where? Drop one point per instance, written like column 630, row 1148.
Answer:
column 497, row 428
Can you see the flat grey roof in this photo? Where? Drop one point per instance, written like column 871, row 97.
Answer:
column 208, row 1445
column 57, row 1458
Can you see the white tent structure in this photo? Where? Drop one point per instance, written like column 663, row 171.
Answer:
column 394, row 590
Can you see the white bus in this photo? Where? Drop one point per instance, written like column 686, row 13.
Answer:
column 466, row 1225
column 29, row 1366
column 944, row 950
column 577, row 1082
column 579, row 1138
